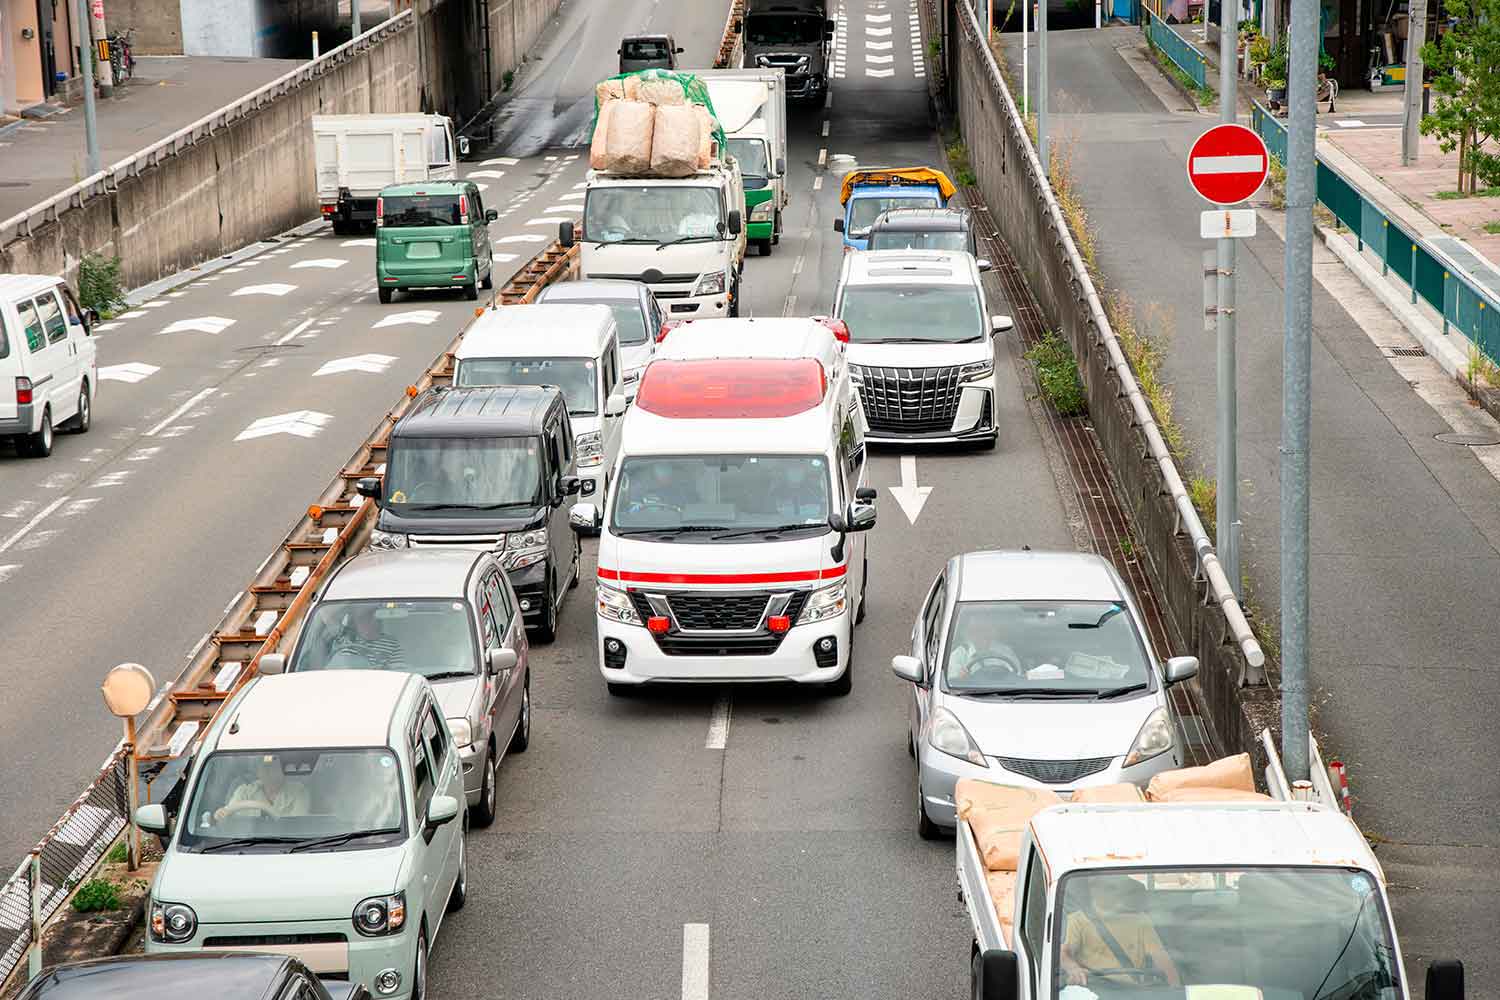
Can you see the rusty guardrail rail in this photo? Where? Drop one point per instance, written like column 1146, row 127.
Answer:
column 730, row 50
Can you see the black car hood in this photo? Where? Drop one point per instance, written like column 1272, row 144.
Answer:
column 473, row 522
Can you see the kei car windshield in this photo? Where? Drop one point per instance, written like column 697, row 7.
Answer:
column 431, row 637
column 435, row 475
column 417, row 210
column 1058, row 646
column 651, row 214
column 706, row 498
column 576, row 377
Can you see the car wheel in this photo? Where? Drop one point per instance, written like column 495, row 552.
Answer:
column 84, row 419
column 521, row 738
column 483, row 813
column 385, row 295
column 776, row 230
column 845, row 683
column 339, row 228
column 577, row 564
column 864, row 592
column 926, row 828
column 547, row 630
column 764, row 246
column 39, row 445
column 471, row 291
column 911, row 746
column 489, row 279
column 460, row 894
column 974, row 976
column 419, row 974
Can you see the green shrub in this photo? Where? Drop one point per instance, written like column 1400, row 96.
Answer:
column 117, row 855
column 95, row 895
column 508, row 79
column 99, row 284
column 1057, row 375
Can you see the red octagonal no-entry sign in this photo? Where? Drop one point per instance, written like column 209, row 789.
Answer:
column 1227, row 164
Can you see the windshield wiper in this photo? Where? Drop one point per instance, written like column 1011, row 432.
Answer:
column 466, row 506
column 906, row 340
column 1024, row 692
column 683, row 239
column 1116, row 609
column 448, row 675
column 1116, row 692
column 341, row 838
column 612, row 243
column 774, row 529
column 225, row 845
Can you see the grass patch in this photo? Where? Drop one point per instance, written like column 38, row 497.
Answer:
column 1278, row 184
column 1069, row 199
column 1143, row 349
column 1493, row 227
column 1204, row 96
column 117, row 855
column 96, row 895
column 1481, row 369
column 1057, row 374
column 1204, row 492
column 508, row 79
column 1489, row 192
column 958, row 158
column 100, row 285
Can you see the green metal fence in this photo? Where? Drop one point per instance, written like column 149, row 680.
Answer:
column 1434, row 275
column 1178, row 49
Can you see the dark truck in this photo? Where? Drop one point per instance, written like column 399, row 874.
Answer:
column 795, row 36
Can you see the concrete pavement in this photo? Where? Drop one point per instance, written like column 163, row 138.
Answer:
column 1405, row 529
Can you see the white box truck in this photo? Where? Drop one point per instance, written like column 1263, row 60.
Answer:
column 358, row 155
column 751, row 106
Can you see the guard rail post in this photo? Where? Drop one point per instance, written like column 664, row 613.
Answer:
column 34, row 949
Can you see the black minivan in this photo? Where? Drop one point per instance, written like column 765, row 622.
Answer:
column 488, row 467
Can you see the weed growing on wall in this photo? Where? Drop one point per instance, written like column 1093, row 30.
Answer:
column 1057, row 374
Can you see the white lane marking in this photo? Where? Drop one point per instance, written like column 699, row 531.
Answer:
column 880, row 60
column 6, row 572
column 549, row 220
column 580, row 185
column 197, row 398
column 26, row 528
column 79, row 506
column 880, row 72
column 132, row 314
column 200, row 324
column 421, row 317
column 143, row 454
column 504, row 161
column 909, row 495
column 790, row 307
column 131, row 371
column 523, row 238
column 375, row 364
column 113, row 478
column 825, row 129
column 878, row 46
column 694, row 962
column 175, row 295
column 302, row 423
column 274, row 288
column 797, row 266
column 327, row 263
column 506, row 258
column 492, row 174
column 878, row 32
column 368, row 241
column 822, row 158
column 1228, row 164
column 561, row 208
column 292, row 333
column 155, row 305
column 718, row 724
column 570, row 196
column 37, row 540
column 878, row 18
column 818, row 183
column 104, row 327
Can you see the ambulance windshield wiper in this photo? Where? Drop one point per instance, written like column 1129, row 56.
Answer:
column 774, row 529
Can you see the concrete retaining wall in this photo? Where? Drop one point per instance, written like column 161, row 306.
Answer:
column 1014, row 190
column 158, row 25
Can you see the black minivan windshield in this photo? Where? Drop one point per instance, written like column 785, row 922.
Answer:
column 409, row 211
column 437, row 475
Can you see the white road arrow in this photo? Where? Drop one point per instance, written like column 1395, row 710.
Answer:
column 503, row 161
column 323, row 262
column 132, row 371
column 201, row 324
column 495, row 174
column 302, row 423
column 420, row 317
column 909, row 495
column 523, row 238
column 375, row 364
column 271, row 289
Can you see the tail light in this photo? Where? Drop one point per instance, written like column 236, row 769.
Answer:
column 658, row 624
column 23, row 390
column 839, row 327
column 667, row 327
column 379, row 211
column 463, row 210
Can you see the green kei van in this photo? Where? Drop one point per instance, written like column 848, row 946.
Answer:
column 432, row 235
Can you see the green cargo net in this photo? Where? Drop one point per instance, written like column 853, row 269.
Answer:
column 692, row 85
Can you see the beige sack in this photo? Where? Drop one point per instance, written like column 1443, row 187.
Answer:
column 1109, row 793
column 675, row 141
column 662, row 91
column 631, row 88
column 609, row 90
column 971, row 793
column 706, row 136
column 1003, row 894
column 998, row 834
column 1197, row 793
column 599, row 147
column 1228, row 772
column 627, row 144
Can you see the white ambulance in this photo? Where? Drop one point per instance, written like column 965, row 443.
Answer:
column 731, row 538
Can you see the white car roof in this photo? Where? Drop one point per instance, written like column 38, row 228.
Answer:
column 1037, row 576
column 321, row 708
column 15, row 286
column 403, row 574
column 751, row 338
column 554, row 330
column 911, row 267
column 1239, row 834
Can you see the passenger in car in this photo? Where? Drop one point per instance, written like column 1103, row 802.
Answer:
column 1109, row 938
column 271, row 794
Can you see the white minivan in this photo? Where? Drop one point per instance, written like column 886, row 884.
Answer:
column 572, row 347
column 48, row 362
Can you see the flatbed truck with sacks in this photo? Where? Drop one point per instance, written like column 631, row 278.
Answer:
column 1199, row 888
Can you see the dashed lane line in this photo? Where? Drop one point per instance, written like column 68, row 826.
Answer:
column 694, row 962
column 36, row 519
column 718, row 724
column 197, row 398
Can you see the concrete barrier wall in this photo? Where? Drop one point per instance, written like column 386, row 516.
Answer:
column 157, row 24
column 515, row 25
column 1010, row 178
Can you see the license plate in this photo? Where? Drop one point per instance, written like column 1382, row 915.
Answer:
column 422, row 251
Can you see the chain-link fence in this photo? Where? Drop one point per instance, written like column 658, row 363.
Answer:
column 68, row 852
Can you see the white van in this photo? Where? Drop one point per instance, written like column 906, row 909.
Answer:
column 572, row 347
column 731, row 538
column 49, row 371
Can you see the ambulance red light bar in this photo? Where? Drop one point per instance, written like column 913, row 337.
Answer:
column 736, row 388
column 839, row 327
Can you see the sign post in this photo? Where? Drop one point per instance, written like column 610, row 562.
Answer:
column 1226, row 166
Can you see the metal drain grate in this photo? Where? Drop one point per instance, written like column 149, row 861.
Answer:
column 1405, row 352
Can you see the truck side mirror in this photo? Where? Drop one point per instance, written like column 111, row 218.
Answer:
column 736, row 222
column 463, row 145
column 999, row 975
column 828, row 27
column 369, row 486
column 271, row 664
column 838, row 225
column 859, row 517
column 1445, row 979
column 565, row 234
column 679, row 50
column 780, row 166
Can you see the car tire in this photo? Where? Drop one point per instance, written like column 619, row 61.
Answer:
column 84, row 418
column 339, row 228
column 764, row 246
column 483, row 813
column 577, row 563
column 385, row 295
column 926, row 828
column 419, row 972
column 39, row 444
column 776, row 231
column 521, row 738
column 489, row 279
column 547, row 631
column 845, row 683
column 460, row 894
column 974, row 976
column 911, row 746
column 471, row 291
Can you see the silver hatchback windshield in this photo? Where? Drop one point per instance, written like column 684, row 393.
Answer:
column 431, row 637
column 1018, row 646
column 576, row 377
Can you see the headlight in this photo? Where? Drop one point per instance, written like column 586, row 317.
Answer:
column 1154, row 738
column 387, row 540
column 710, row 284
column 590, row 449
column 976, row 371
column 463, row 733
column 173, row 923
column 764, row 212
column 614, row 605
column 947, row 734
column 379, row 916
column 535, row 538
column 825, row 603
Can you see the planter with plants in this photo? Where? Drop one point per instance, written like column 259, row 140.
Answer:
column 1274, row 76
column 1257, row 54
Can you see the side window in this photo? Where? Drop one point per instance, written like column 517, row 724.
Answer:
column 421, row 769
column 1035, row 902
column 71, row 307
column 932, row 624
column 50, row 309
column 4, row 336
column 499, row 599
column 32, row 325
column 488, row 630
column 554, row 459
column 435, row 731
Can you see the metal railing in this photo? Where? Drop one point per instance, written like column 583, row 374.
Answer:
column 24, row 223
column 1434, row 275
column 729, row 48
column 1178, row 49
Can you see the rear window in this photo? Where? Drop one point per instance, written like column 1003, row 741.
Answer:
column 407, row 211
column 646, row 49
column 895, row 239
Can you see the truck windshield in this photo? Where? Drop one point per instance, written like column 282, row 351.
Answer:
column 751, row 154
column 574, row 376
column 1016, row 646
column 429, row 637
column 706, row 498
column 783, row 29
column 651, row 214
column 906, row 313
column 409, row 211
column 912, row 239
column 258, row 802
column 864, row 211
column 440, row 475
column 1274, row 933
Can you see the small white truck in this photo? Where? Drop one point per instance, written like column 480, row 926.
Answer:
column 1277, row 899
column 751, row 106
column 358, row 155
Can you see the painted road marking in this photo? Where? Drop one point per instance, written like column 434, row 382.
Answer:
column 880, row 72
column 506, row 258
column 197, row 398
column 571, row 195
column 200, row 324
column 131, row 371
column 291, row 334
column 797, row 266
column 26, row 528
column 822, row 158
column 112, row 478
column 420, row 317
column 549, row 220
column 878, row 18
column 878, row 46
column 494, row 174
column 301, row 423
column 818, row 183
column 878, row 32
column 825, row 129
column 694, row 962
column 328, row 263
column 105, row 327
column 523, row 238
column 155, row 305
column 718, row 724
column 272, row 289
column 504, row 161
column 368, row 241
column 880, row 60
column 79, row 506
column 6, row 572
column 375, row 364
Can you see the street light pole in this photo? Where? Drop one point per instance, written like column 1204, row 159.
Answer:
column 1227, row 503
column 354, row 25
column 1041, row 86
column 1026, row 57
column 90, row 117
column 1416, row 34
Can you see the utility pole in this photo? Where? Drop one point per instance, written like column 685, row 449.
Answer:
column 1041, row 87
column 1296, row 383
column 1026, row 57
column 354, row 25
column 1227, row 496
column 1416, row 34
column 99, row 33
column 90, row 117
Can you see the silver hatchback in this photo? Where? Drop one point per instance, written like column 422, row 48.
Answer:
column 1033, row 669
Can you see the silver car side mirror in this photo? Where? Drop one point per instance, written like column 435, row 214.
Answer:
column 908, row 668
column 152, row 818
column 585, row 517
column 272, row 663
column 1181, row 668
column 501, row 660
column 1000, row 324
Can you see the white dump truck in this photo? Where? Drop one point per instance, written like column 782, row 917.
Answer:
column 751, row 107
column 1214, row 895
column 358, row 155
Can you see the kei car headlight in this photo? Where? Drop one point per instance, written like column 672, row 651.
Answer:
column 387, row 539
column 1154, row 738
column 172, row 923
column 590, row 449
column 615, row 605
column 764, row 212
column 947, row 734
column 463, row 733
column 710, row 284
column 535, row 538
column 825, row 602
column 379, row 916
column 976, row 371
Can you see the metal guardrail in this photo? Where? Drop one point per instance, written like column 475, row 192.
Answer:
column 108, row 180
column 1435, row 276
column 1178, row 49
column 1188, row 522
column 730, row 50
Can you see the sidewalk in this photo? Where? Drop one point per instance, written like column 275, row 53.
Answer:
column 40, row 158
column 1405, row 546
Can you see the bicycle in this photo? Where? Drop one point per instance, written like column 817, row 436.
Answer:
column 121, row 59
